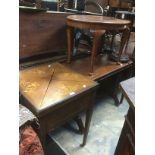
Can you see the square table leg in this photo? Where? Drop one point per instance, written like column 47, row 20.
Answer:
column 87, row 125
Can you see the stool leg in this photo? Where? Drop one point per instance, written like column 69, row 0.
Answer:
column 69, row 43
column 96, row 43
column 87, row 125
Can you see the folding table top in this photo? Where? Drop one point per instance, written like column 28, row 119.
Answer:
column 47, row 85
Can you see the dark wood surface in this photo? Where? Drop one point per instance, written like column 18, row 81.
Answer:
column 96, row 23
column 109, row 74
column 34, row 82
column 102, row 69
column 126, row 143
column 106, row 72
column 55, row 94
column 41, row 32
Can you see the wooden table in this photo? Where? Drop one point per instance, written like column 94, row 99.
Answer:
column 56, row 94
column 126, row 143
column 96, row 23
column 107, row 73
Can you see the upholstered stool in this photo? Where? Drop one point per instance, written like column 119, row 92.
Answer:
column 29, row 140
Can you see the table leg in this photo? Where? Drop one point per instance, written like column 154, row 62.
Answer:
column 124, row 41
column 87, row 125
column 79, row 123
column 69, row 43
column 122, row 98
column 116, row 100
column 96, row 43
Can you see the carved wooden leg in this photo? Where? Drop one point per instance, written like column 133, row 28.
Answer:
column 96, row 43
column 87, row 125
column 69, row 43
column 124, row 41
column 80, row 124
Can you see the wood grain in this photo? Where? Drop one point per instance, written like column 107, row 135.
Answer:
column 41, row 32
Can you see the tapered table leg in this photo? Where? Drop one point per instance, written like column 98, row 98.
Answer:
column 69, row 43
column 87, row 125
column 122, row 98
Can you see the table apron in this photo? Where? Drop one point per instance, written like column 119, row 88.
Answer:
column 68, row 111
column 97, row 26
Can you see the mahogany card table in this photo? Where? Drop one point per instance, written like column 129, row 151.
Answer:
column 56, row 94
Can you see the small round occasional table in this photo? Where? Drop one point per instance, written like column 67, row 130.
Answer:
column 99, row 24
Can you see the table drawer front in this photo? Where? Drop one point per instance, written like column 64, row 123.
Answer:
column 68, row 111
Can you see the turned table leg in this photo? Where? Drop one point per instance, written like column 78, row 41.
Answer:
column 69, row 43
column 96, row 43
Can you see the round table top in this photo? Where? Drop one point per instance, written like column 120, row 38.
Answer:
column 97, row 19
